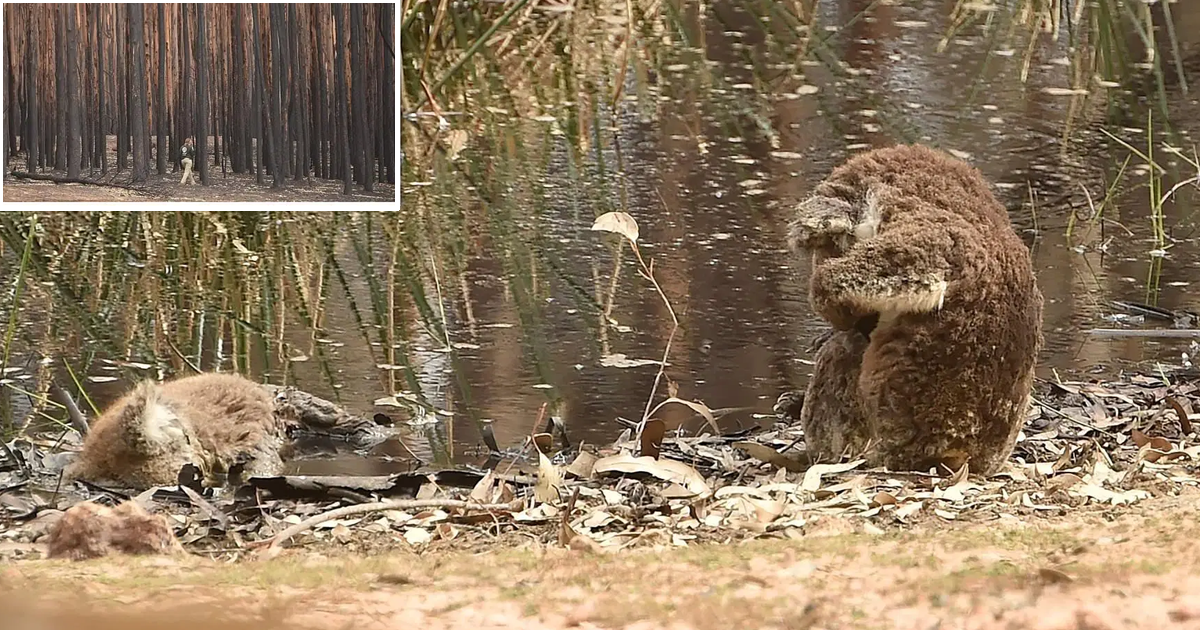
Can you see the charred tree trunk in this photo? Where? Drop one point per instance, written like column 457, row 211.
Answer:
column 259, row 92
column 137, row 91
column 343, row 134
column 31, row 96
column 60, row 78
column 322, row 164
column 86, row 93
column 298, row 97
column 202, row 93
column 119, row 64
column 101, row 141
column 220, row 131
column 286, row 88
column 239, row 143
column 363, row 154
column 9, row 107
column 388, row 100
column 161, row 117
column 277, row 151
column 185, row 87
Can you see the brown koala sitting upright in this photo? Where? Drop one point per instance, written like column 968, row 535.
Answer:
column 211, row 420
column 936, row 314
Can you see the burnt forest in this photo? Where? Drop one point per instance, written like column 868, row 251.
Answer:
column 199, row 102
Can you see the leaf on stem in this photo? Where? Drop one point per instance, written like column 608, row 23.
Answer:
column 619, row 223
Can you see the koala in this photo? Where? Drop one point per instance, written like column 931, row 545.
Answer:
column 935, row 310
column 90, row 530
column 213, row 421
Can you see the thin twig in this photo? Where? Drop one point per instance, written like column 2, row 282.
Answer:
column 1161, row 333
column 647, row 272
column 277, row 540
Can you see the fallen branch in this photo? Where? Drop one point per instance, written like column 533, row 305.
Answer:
column 1162, row 333
column 273, row 543
column 306, row 413
column 58, row 179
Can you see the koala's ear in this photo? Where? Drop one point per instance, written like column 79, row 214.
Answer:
column 820, row 222
column 878, row 196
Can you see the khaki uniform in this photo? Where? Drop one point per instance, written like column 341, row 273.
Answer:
column 188, row 154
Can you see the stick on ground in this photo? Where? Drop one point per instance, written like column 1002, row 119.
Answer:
column 275, row 542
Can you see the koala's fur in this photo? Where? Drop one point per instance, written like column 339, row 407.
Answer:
column 936, row 311
column 211, row 420
column 89, row 530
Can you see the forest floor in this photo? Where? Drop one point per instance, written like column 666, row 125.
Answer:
column 1127, row 567
column 220, row 188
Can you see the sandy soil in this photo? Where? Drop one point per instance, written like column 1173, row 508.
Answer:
column 1093, row 570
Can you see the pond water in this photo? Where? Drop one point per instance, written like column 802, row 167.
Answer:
column 487, row 296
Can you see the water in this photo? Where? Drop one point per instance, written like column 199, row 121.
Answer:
column 719, row 129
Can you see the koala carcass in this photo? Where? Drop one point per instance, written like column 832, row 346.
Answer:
column 213, row 421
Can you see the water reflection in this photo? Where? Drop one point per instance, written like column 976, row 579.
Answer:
column 487, row 297
column 716, row 138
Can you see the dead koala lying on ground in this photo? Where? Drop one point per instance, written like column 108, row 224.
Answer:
column 90, row 530
column 936, row 314
column 219, row 423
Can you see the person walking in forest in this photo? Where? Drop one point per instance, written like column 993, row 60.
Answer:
column 187, row 153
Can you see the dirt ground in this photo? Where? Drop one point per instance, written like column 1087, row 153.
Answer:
column 1113, row 568
column 220, row 188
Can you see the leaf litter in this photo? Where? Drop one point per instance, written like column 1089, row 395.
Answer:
column 1086, row 445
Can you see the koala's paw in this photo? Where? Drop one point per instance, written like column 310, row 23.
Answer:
column 788, row 406
column 821, row 222
column 899, row 294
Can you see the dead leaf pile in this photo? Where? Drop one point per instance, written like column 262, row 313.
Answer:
column 1086, row 445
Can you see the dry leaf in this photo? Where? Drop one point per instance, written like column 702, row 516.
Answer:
column 1108, row 496
column 620, row 360
column 812, row 476
column 543, row 442
column 549, row 481
column 597, row 519
column 539, row 513
column 765, row 511
column 485, row 488
column 653, row 431
column 1057, row 91
column 908, row 509
column 883, row 498
column 416, row 536
column 1063, row 481
column 698, row 407
column 959, row 475
column 665, row 469
column 456, row 140
column 765, row 453
column 581, row 467
column 1183, row 409
column 1157, row 443
column 446, row 531
column 618, row 223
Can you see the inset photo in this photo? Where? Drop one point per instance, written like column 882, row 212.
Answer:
column 199, row 102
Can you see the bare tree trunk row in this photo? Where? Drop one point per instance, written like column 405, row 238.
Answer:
column 289, row 92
